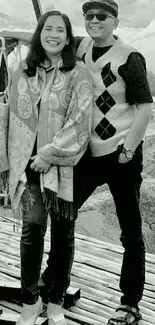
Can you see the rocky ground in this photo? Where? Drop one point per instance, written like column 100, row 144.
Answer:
column 97, row 218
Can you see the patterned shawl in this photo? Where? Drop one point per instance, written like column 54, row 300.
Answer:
column 62, row 129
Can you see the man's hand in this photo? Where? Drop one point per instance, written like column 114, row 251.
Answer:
column 40, row 165
column 122, row 159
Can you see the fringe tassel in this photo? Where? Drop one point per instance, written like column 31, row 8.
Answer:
column 4, row 182
column 27, row 199
column 4, row 186
column 57, row 206
column 17, row 216
column 26, row 202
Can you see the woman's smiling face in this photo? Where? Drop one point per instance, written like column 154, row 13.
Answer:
column 53, row 36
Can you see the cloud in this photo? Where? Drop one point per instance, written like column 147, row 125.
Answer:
column 132, row 13
column 146, row 32
column 147, row 48
column 21, row 9
column 137, row 13
column 127, row 34
column 73, row 8
column 144, row 41
column 141, row 2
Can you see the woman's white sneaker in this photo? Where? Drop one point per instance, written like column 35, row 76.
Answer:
column 55, row 315
column 30, row 313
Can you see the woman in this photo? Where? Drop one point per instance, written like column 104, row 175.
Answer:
column 50, row 123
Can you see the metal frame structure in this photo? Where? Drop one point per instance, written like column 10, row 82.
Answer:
column 37, row 8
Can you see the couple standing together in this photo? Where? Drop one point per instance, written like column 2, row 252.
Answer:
column 59, row 104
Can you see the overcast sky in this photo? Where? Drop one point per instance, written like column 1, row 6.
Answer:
column 132, row 13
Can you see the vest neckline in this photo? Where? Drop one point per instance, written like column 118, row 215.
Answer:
column 107, row 56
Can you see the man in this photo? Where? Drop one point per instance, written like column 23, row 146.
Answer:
column 121, row 115
column 122, row 112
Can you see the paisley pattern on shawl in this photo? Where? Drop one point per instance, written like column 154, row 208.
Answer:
column 23, row 125
column 19, row 152
column 62, row 129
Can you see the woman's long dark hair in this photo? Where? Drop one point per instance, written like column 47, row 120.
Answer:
column 37, row 54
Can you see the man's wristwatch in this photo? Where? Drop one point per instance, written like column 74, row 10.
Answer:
column 127, row 153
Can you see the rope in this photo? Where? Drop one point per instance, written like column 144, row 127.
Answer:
column 17, row 53
column 4, row 71
column 4, row 98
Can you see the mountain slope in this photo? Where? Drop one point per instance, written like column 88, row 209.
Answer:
column 9, row 22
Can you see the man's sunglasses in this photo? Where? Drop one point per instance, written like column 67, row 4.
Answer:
column 99, row 16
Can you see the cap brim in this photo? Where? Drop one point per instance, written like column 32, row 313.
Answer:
column 97, row 5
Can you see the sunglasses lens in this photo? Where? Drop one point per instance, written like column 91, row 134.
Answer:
column 99, row 16
column 89, row 17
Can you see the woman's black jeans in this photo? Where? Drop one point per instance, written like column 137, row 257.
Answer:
column 32, row 247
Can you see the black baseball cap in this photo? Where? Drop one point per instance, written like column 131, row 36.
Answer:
column 107, row 5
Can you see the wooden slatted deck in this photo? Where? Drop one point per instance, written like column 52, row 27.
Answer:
column 96, row 271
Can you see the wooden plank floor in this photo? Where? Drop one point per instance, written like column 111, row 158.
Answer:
column 96, row 271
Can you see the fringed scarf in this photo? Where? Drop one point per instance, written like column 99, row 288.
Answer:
column 63, row 131
column 57, row 184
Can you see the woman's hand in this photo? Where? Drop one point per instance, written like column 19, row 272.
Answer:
column 40, row 165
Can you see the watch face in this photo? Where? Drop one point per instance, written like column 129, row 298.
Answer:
column 129, row 154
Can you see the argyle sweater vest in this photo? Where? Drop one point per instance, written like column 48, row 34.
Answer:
column 113, row 116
